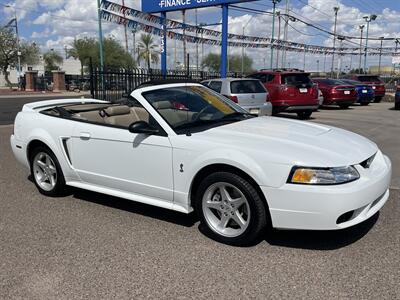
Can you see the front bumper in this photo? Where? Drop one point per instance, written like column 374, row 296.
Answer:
column 320, row 207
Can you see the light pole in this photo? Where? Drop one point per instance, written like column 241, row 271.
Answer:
column 380, row 55
column 100, row 36
column 278, row 13
column 367, row 19
column 18, row 49
column 274, row 2
column 244, row 27
column 339, row 68
column 134, row 44
column 395, row 52
column 361, row 37
column 317, row 65
column 285, row 32
column 335, row 9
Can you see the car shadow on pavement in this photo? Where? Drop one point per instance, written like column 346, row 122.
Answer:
column 136, row 207
column 292, row 116
column 321, row 240
column 335, row 108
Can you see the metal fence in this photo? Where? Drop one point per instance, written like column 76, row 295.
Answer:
column 112, row 85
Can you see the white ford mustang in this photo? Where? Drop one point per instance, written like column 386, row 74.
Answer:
column 185, row 147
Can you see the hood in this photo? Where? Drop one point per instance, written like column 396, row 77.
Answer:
column 293, row 142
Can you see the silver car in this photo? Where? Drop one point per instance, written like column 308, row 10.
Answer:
column 249, row 93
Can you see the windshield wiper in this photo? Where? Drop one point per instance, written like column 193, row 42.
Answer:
column 198, row 122
column 236, row 115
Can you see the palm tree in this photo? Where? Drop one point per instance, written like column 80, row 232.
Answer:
column 147, row 50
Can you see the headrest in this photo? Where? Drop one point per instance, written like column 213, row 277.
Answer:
column 162, row 105
column 117, row 110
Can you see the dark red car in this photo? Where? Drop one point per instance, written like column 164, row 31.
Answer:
column 336, row 92
column 290, row 91
column 373, row 80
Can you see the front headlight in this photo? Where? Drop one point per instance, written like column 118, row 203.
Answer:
column 323, row 176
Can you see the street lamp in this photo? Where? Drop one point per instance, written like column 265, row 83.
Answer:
column 335, row 9
column 361, row 37
column 18, row 49
column 339, row 68
column 274, row 2
column 380, row 55
column 243, row 28
column 367, row 19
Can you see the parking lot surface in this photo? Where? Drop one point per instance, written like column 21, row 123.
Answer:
column 89, row 245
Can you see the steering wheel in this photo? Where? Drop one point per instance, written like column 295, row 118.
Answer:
column 202, row 111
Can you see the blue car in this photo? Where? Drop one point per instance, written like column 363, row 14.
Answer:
column 365, row 93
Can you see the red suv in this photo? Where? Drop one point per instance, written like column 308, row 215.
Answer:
column 290, row 91
column 373, row 80
column 336, row 92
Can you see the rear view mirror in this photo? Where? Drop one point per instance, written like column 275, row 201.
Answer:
column 143, row 128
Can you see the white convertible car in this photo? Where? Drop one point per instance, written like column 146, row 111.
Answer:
column 184, row 147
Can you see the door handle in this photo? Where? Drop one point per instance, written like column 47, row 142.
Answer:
column 84, row 135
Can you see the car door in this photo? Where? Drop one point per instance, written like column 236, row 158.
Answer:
column 115, row 158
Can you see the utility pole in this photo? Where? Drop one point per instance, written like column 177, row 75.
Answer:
column 278, row 13
column 185, row 62
column 125, row 27
column 380, row 55
column 304, row 59
column 100, row 36
column 18, row 48
column 285, row 33
column 197, row 44
column 335, row 9
column 324, row 62
column 361, row 37
column 339, row 68
column 274, row 2
column 368, row 19
column 395, row 52
column 134, row 43
column 317, row 65
column 244, row 27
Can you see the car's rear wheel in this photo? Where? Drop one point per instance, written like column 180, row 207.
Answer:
column 378, row 99
column 397, row 106
column 230, row 209
column 344, row 106
column 46, row 172
column 304, row 115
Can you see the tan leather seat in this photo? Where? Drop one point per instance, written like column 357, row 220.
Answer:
column 120, row 116
column 173, row 116
column 92, row 116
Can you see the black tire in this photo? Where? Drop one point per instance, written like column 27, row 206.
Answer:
column 378, row 99
column 364, row 103
column 259, row 216
column 397, row 106
column 344, row 106
column 60, row 188
column 304, row 115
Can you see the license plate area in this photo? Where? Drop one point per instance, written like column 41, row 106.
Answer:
column 347, row 92
column 303, row 90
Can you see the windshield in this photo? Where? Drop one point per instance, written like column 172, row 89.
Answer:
column 331, row 81
column 369, row 79
column 296, row 79
column 188, row 108
column 353, row 82
column 247, row 87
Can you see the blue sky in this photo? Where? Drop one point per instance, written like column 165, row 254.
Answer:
column 55, row 23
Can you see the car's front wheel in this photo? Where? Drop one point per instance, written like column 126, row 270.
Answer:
column 231, row 210
column 46, row 172
column 378, row 99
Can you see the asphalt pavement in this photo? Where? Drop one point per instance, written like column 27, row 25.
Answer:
column 89, row 245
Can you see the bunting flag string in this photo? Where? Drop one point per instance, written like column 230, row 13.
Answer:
column 114, row 12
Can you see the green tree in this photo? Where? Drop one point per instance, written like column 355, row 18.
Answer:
column 212, row 62
column 9, row 52
column 115, row 56
column 52, row 60
column 147, row 50
column 83, row 49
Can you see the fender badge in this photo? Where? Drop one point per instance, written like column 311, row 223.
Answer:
column 181, row 170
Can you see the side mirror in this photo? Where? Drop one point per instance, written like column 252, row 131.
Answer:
column 142, row 127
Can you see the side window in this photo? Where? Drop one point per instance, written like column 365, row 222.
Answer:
column 216, row 86
column 270, row 77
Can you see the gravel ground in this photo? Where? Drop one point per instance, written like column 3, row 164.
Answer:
column 89, row 245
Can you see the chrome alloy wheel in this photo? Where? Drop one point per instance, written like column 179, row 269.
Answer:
column 44, row 171
column 226, row 209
